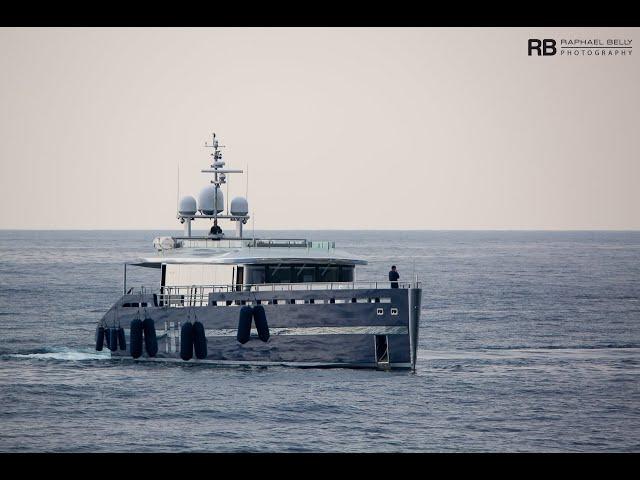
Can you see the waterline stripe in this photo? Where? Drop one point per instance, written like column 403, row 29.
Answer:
column 232, row 332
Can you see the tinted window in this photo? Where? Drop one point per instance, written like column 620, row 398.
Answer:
column 328, row 274
column 346, row 274
column 280, row 274
column 305, row 274
column 256, row 275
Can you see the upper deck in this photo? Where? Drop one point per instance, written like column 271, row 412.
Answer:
column 170, row 243
column 246, row 251
column 219, row 249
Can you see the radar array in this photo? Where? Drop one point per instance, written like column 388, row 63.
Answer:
column 210, row 204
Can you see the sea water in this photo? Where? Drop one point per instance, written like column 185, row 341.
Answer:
column 529, row 341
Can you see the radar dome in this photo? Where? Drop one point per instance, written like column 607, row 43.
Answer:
column 239, row 206
column 187, row 206
column 205, row 200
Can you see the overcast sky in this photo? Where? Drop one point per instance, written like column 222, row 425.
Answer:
column 341, row 128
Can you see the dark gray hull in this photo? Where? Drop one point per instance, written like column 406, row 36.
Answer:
column 305, row 334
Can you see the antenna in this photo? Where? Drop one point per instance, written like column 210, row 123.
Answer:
column 415, row 276
column 246, row 195
column 214, row 210
column 253, row 225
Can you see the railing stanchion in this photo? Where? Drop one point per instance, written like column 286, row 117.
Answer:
column 197, row 295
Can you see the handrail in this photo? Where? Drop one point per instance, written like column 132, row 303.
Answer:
column 207, row 242
column 188, row 291
column 198, row 295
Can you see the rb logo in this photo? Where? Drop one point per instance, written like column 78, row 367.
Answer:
column 543, row 47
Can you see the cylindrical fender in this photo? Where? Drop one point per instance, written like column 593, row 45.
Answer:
column 150, row 340
column 135, row 338
column 244, row 324
column 260, row 319
column 122, row 340
column 112, row 335
column 99, row 338
column 186, row 341
column 199, row 340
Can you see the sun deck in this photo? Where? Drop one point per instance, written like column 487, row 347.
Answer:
column 209, row 242
column 203, row 251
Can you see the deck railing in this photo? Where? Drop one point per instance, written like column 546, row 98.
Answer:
column 198, row 295
column 205, row 242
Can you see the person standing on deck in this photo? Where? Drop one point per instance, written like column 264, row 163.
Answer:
column 394, row 276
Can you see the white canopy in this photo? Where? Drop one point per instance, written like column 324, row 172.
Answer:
column 248, row 256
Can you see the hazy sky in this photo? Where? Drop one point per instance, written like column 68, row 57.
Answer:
column 341, row 128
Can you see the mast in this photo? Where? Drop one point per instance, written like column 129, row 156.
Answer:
column 219, row 178
column 215, row 165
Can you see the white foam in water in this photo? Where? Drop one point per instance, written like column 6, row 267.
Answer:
column 64, row 353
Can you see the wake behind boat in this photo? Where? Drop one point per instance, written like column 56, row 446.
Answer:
column 258, row 301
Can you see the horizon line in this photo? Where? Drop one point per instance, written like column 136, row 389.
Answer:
column 116, row 229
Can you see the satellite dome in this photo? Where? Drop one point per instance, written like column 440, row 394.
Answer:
column 205, row 200
column 239, row 206
column 187, row 206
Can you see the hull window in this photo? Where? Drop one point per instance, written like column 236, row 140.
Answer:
column 135, row 304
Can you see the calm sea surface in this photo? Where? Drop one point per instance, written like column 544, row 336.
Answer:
column 529, row 341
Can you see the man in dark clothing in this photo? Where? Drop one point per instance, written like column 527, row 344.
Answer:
column 394, row 276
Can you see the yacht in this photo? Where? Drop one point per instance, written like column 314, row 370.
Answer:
column 231, row 299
